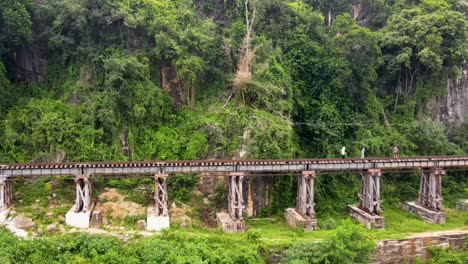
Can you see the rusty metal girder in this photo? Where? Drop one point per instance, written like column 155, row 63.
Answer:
column 160, row 194
column 369, row 196
column 305, row 193
column 430, row 189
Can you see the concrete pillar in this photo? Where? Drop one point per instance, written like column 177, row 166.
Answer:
column 429, row 203
column 368, row 211
column 158, row 216
column 304, row 214
column 232, row 221
column 6, row 197
column 79, row 215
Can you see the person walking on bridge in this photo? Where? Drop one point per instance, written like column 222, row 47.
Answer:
column 343, row 152
column 395, row 151
column 363, row 152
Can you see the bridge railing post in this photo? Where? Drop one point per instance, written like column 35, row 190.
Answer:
column 430, row 189
column 160, row 194
column 235, row 198
column 369, row 196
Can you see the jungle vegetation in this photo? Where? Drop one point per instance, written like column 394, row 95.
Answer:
column 102, row 80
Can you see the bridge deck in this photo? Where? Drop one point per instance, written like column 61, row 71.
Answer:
column 195, row 166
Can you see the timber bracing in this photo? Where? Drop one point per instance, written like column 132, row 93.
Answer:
column 160, row 194
column 6, row 193
column 83, row 193
column 235, row 198
column 305, row 193
column 369, row 196
column 430, row 188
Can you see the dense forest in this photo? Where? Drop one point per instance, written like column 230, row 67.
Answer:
column 102, row 80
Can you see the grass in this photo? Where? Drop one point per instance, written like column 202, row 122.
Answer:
column 398, row 224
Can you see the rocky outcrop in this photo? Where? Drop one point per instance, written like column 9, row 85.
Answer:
column 455, row 111
column 29, row 62
column 404, row 250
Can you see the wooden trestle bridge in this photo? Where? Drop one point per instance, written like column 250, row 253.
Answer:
column 371, row 170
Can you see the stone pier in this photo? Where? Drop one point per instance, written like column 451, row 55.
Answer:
column 368, row 211
column 158, row 216
column 429, row 203
column 80, row 214
column 303, row 215
column 233, row 220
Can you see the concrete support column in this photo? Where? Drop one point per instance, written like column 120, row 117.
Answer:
column 368, row 211
column 6, row 197
column 232, row 221
column 429, row 203
column 158, row 215
column 80, row 214
column 304, row 214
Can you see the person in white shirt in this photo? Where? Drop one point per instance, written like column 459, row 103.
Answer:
column 363, row 151
column 343, row 152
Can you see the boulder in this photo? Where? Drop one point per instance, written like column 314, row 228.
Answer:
column 51, row 228
column 22, row 222
column 141, row 224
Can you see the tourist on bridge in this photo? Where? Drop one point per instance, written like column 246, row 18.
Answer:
column 363, row 152
column 395, row 151
column 343, row 152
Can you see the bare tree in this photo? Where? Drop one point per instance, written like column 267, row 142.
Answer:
column 244, row 68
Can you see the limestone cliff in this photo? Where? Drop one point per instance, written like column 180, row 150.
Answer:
column 455, row 110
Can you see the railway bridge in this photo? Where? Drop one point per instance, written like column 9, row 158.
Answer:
column 368, row 211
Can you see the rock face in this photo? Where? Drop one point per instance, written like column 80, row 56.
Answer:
column 403, row 250
column 23, row 222
column 462, row 205
column 456, row 108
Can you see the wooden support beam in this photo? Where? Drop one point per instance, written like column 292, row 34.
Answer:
column 235, row 198
column 83, row 193
column 6, row 193
column 369, row 196
column 305, row 193
column 160, row 194
column 430, row 189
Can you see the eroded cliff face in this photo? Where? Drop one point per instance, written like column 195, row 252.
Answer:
column 455, row 110
column 29, row 62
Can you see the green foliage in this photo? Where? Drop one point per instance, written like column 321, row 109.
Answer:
column 347, row 244
column 448, row 256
